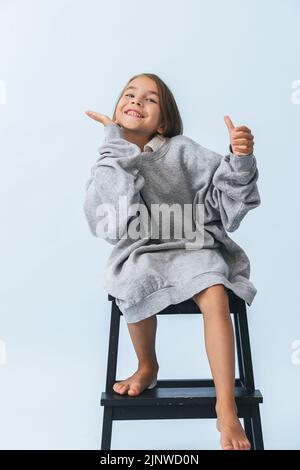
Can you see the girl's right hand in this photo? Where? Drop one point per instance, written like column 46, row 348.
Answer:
column 105, row 120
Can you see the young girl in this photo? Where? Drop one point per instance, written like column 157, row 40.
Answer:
column 146, row 159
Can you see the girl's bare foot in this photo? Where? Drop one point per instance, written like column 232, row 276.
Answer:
column 137, row 382
column 233, row 436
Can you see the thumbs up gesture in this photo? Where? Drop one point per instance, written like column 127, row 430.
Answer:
column 241, row 139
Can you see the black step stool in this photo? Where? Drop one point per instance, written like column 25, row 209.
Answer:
column 188, row 398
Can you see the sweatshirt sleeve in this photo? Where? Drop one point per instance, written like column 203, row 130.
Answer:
column 114, row 174
column 233, row 190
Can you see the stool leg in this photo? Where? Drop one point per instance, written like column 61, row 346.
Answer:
column 252, row 424
column 110, row 374
column 238, row 349
column 106, row 428
column 257, row 429
column 113, row 347
column 249, row 431
column 243, row 347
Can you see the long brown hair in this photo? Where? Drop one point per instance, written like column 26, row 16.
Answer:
column 168, row 106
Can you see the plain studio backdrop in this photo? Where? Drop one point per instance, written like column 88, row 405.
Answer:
column 60, row 58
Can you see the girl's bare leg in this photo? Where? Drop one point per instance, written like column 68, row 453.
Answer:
column 219, row 342
column 143, row 334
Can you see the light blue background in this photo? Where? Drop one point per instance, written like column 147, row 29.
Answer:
column 59, row 58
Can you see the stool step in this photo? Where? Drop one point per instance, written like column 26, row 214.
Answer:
column 164, row 395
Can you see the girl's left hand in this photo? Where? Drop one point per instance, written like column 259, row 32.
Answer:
column 105, row 120
column 241, row 139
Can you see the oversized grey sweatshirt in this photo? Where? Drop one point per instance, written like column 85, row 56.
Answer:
column 149, row 269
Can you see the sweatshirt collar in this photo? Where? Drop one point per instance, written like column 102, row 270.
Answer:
column 149, row 156
column 155, row 143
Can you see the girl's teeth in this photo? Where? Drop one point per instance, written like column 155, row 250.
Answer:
column 134, row 115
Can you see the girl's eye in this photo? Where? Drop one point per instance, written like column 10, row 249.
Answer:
column 130, row 94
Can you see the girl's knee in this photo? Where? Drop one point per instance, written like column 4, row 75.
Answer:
column 209, row 294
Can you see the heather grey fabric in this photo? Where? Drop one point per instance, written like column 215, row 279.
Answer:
column 146, row 274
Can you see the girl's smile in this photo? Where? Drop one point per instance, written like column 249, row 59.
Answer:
column 134, row 114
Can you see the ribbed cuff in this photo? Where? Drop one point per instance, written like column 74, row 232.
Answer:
column 241, row 162
column 112, row 131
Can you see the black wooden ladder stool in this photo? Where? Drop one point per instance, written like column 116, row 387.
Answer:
column 184, row 398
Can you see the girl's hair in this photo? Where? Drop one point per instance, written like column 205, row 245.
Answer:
column 168, row 107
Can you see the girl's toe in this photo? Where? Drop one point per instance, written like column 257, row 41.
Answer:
column 227, row 445
column 119, row 388
column 236, row 445
column 248, row 446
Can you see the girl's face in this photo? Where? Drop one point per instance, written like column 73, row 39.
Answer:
column 140, row 95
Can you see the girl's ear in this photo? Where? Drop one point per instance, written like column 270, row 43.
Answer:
column 161, row 129
column 116, row 122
